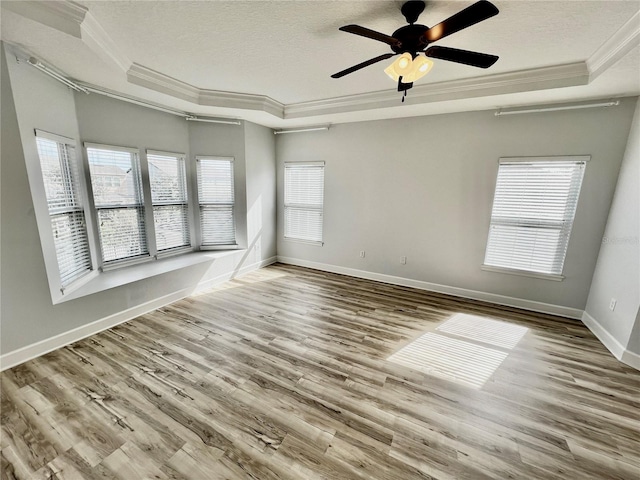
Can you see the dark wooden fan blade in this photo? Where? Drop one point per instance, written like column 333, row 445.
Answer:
column 476, row 13
column 366, row 32
column 475, row 59
column 362, row 65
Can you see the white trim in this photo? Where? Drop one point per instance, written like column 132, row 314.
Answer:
column 162, row 153
column 630, row 358
column 522, row 273
column 215, row 157
column 304, row 164
column 99, row 41
column 65, row 16
column 55, row 138
column 246, row 101
column 542, row 78
column 159, row 82
column 610, row 342
column 21, row 355
column 116, row 148
column 616, row 47
column 75, row 20
column 201, row 287
column 522, row 303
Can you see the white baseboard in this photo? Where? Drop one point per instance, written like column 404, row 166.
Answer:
column 631, row 358
column 42, row 347
column 434, row 287
column 613, row 345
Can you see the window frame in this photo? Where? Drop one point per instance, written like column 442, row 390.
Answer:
column 43, row 218
column 188, row 203
column 198, row 215
column 145, row 190
column 575, row 159
column 303, row 206
column 121, row 272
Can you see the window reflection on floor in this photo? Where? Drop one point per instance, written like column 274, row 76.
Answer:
column 482, row 329
column 466, row 349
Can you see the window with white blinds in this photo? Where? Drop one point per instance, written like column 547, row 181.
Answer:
column 303, row 201
column 60, row 174
column 118, row 199
column 168, row 179
column 533, row 211
column 216, row 200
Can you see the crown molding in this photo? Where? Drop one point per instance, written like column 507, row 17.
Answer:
column 74, row 19
column 98, row 40
column 247, row 101
column 65, row 16
column 159, row 82
column 616, row 47
column 556, row 76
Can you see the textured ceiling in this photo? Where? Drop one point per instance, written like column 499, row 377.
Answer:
column 288, row 50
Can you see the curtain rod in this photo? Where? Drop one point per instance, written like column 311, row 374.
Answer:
column 134, row 101
column 226, row 121
column 34, row 62
column 299, row 130
column 557, row 108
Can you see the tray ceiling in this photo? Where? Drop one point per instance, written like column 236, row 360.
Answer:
column 270, row 62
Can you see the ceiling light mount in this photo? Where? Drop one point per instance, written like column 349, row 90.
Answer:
column 412, row 10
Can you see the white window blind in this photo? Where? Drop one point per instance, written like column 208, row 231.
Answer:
column 216, row 199
column 533, row 210
column 303, row 201
column 61, row 182
column 118, row 198
column 167, row 175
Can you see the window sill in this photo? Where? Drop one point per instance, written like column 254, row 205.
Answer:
column 523, row 273
column 99, row 282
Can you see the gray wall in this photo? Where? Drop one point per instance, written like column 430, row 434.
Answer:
column 617, row 273
column 27, row 313
column 423, row 188
column 260, row 151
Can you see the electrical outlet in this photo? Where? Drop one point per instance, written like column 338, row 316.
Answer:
column 612, row 304
column 403, row 260
column 361, row 253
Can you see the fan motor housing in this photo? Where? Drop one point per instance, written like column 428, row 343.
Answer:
column 411, row 39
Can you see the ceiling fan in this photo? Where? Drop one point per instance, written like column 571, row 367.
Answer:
column 413, row 39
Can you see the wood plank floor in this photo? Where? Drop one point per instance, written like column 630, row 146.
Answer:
column 285, row 374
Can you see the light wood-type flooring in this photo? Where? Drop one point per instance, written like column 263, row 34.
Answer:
column 285, row 374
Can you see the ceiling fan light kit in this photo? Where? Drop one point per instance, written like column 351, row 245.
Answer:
column 412, row 40
column 410, row 69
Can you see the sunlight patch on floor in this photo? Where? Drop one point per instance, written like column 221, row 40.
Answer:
column 467, row 362
column 482, row 329
column 449, row 358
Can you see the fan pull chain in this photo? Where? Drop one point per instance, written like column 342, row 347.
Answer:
column 404, row 95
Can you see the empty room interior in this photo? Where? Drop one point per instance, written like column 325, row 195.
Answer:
column 320, row 240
